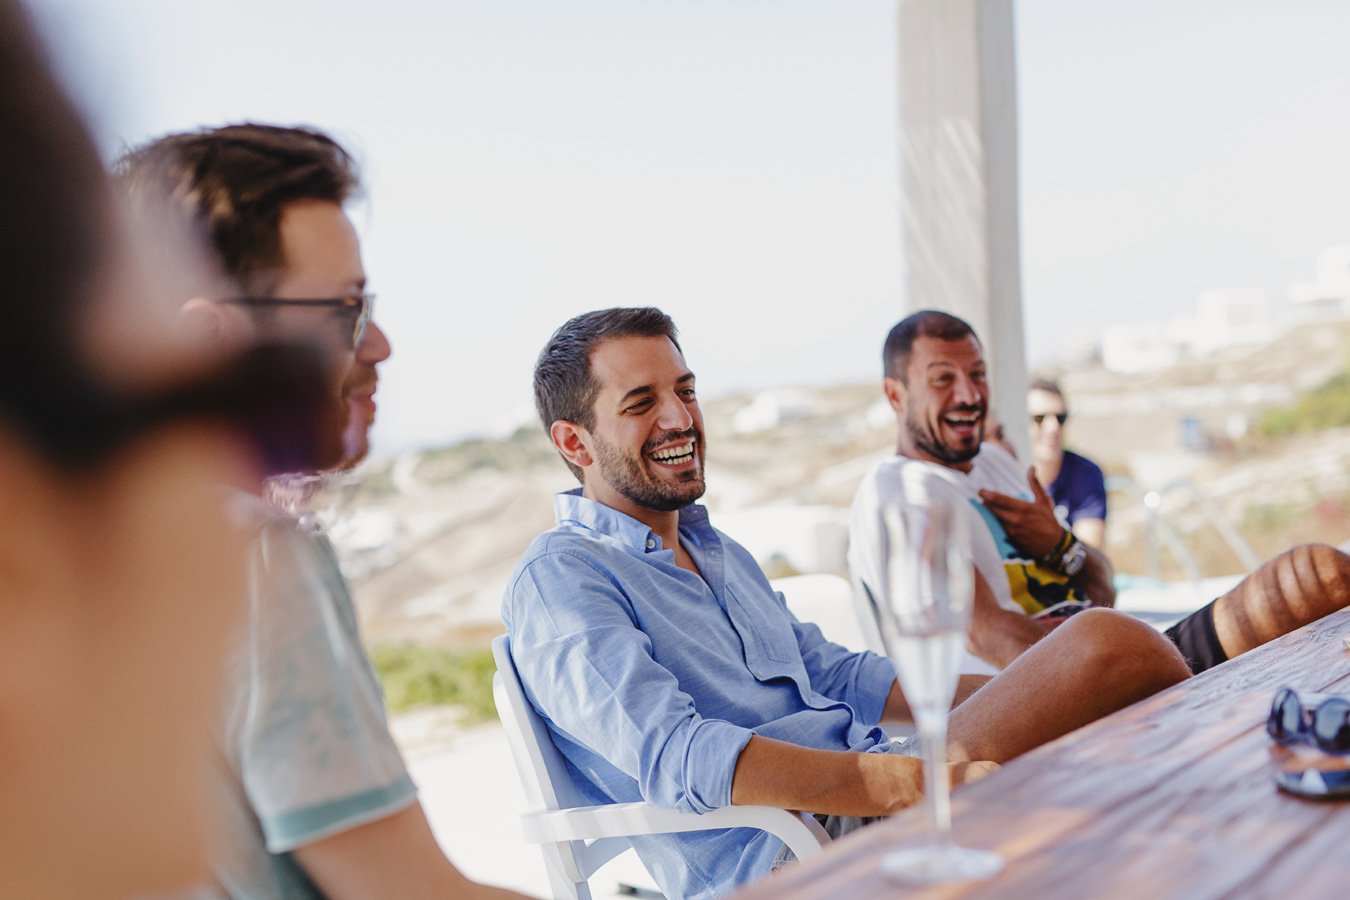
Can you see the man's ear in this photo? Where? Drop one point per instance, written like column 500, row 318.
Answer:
column 895, row 393
column 204, row 321
column 572, row 441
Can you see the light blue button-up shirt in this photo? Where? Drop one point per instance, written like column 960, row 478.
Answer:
column 652, row 679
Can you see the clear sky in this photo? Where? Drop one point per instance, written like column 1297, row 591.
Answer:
column 735, row 162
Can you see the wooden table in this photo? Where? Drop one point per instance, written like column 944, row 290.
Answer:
column 1169, row 798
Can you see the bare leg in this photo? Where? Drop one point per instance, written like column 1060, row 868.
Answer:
column 1297, row 587
column 1094, row 664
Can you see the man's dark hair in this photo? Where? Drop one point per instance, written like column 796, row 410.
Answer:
column 232, row 183
column 55, row 217
column 57, row 238
column 924, row 323
column 1049, row 385
column 563, row 385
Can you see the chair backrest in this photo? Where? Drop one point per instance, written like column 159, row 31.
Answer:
column 865, row 607
column 825, row 601
column 554, row 800
column 542, row 770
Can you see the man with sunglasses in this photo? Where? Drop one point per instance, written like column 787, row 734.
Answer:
column 316, row 800
column 1026, row 561
column 1074, row 482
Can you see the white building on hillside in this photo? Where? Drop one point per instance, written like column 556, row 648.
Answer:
column 1229, row 317
column 1330, row 293
column 772, row 408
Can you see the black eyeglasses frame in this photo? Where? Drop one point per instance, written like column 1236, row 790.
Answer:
column 362, row 305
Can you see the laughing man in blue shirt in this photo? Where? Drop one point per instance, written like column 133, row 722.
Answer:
column 669, row 671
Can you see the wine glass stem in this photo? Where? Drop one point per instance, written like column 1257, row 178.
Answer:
column 937, row 796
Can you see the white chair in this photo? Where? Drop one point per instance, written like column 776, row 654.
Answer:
column 577, row 839
column 826, row 601
column 864, row 607
column 844, row 615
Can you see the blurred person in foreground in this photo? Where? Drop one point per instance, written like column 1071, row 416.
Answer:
column 669, row 670
column 1025, row 560
column 316, row 797
column 113, row 447
column 1074, row 482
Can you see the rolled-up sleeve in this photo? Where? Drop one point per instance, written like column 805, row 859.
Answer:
column 589, row 671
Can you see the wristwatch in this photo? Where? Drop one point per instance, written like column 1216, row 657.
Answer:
column 1071, row 559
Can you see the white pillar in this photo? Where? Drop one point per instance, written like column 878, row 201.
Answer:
column 958, row 120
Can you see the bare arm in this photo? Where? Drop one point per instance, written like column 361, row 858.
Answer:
column 998, row 635
column 835, row 782
column 396, row 856
column 1034, row 530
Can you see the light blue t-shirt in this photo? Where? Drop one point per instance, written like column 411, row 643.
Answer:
column 306, row 746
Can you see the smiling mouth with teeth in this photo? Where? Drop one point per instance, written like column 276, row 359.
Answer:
column 963, row 420
column 675, row 456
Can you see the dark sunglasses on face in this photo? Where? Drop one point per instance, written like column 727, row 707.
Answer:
column 359, row 307
column 1061, row 418
column 1321, row 719
column 275, row 396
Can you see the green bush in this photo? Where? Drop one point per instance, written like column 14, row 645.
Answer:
column 1322, row 408
column 779, row 566
column 417, row 675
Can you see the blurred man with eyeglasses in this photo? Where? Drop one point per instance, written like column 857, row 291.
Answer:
column 1074, row 482
column 316, row 799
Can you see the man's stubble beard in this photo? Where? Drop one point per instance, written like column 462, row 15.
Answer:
column 626, row 475
column 925, row 438
column 355, row 442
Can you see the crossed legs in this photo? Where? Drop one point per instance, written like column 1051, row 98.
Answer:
column 1101, row 661
column 1097, row 662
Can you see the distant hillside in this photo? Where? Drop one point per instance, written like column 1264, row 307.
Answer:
column 430, row 538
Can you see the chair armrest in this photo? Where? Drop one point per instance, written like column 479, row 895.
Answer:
column 800, row 831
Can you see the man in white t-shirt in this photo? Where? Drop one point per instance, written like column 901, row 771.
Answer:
column 1028, row 564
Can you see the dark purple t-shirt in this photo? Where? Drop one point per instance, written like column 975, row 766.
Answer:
column 1079, row 491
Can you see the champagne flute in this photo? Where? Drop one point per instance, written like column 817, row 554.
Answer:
column 923, row 613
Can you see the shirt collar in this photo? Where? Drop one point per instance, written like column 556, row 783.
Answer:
column 571, row 507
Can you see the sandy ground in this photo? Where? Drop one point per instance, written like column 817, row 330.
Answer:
column 469, row 789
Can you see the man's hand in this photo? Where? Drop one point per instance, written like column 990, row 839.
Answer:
column 958, row 773
column 836, row 782
column 1035, row 532
column 1031, row 525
